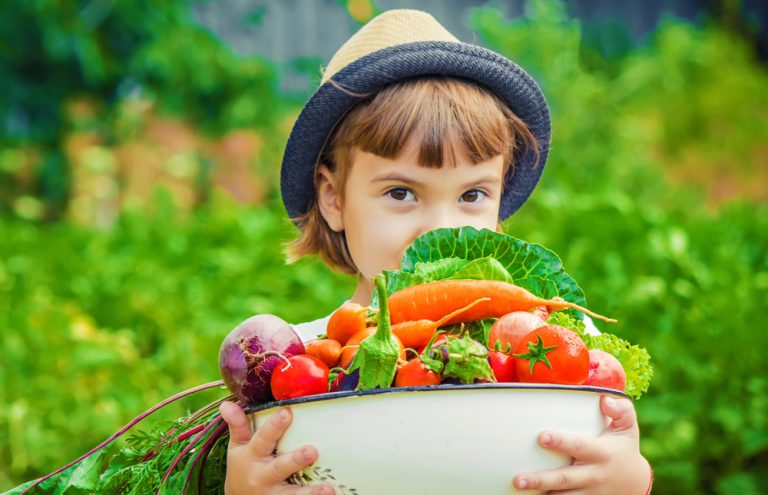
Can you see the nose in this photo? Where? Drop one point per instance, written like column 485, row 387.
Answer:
column 443, row 216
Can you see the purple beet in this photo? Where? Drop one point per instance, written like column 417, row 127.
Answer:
column 249, row 354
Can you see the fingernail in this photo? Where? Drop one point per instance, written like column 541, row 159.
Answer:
column 610, row 402
column 283, row 414
column 522, row 483
column 307, row 453
column 322, row 490
column 546, row 438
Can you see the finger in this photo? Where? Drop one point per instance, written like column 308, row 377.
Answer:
column 579, row 447
column 307, row 490
column 286, row 464
column 264, row 441
column 621, row 412
column 239, row 428
column 567, row 478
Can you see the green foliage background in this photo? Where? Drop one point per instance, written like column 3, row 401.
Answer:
column 99, row 324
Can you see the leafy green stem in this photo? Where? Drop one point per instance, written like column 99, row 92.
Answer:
column 210, row 426
column 125, row 428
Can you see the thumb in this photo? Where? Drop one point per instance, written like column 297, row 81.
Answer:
column 621, row 413
column 239, row 427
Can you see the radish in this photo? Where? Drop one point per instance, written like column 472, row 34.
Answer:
column 605, row 371
column 250, row 353
column 507, row 331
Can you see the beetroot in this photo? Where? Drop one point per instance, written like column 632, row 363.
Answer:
column 250, row 353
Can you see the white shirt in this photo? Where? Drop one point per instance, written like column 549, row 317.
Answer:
column 310, row 330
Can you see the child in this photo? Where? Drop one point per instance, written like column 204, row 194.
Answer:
column 412, row 130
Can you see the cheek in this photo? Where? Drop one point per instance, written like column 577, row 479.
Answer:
column 376, row 244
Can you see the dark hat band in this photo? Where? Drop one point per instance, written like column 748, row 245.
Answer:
column 372, row 72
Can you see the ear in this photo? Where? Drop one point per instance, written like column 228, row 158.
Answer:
column 329, row 199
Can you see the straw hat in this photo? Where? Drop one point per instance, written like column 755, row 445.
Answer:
column 396, row 45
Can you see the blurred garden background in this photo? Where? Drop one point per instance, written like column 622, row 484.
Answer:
column 140, row 218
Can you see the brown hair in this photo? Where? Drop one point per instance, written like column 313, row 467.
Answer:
column 438, row 113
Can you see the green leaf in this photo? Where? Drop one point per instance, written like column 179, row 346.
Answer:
column 487, row 268
column 440, row 269
column 19, row 489
column 85, row 478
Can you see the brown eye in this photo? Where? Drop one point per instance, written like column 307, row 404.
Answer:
column 472, row 196
column 400, row 194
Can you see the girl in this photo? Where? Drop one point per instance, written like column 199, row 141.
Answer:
column 412, row 130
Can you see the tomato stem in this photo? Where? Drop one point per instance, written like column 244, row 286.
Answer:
column 537, row 352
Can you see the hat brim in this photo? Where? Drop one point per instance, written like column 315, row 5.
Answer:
column 371, row 73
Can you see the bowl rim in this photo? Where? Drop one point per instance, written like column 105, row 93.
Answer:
column 432, row 388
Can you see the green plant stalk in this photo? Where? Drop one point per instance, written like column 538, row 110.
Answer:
column 378, row 354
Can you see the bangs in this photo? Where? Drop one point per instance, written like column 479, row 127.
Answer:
column 442, row 116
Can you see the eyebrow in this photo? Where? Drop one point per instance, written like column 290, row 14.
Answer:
column 397, row 178
column 490, row 179
column 484, row 181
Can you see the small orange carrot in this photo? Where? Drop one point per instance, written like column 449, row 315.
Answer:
column 326, row 350
column 432, row 300
column 416, row 334
column 346, row 321
column 348, row 351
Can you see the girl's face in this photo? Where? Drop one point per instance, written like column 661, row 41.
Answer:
column 390, row 202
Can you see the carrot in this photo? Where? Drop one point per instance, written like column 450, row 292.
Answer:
column 416, row 334
column 346, row 321
column 432, row 300
column 326, row 350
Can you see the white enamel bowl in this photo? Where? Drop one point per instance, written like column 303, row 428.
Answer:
column 441, row 440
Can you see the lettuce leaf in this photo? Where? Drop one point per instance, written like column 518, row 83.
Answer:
column 483, row 269
column 439, row 269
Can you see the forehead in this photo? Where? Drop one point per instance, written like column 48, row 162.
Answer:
column 370, row 167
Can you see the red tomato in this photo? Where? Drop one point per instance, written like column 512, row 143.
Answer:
column 605, row 371
column 510, row 328
column 416, row 373
column 346, row 321
column 299, row 376
column 552, row 354
column 502, row 365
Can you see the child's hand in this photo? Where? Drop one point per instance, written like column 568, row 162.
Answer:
column 608, row 464
column 251, row 467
